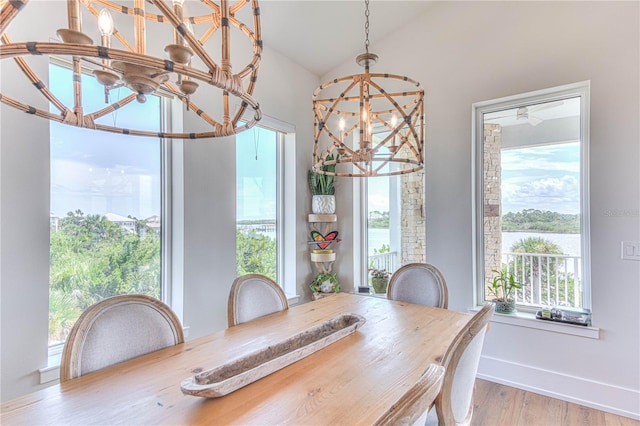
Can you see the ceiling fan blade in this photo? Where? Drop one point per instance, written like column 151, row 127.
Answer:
column 534, row 121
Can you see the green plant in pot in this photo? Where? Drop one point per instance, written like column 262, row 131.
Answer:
column 325, row 282
column 323, row 190
column 379, row 279
column 503, row 287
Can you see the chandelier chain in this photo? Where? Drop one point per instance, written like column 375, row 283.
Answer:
column 366, row 26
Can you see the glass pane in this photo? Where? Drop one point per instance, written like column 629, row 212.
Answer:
column 532, row 204
column 257, row 202
column 105, row 208
column 395, row 220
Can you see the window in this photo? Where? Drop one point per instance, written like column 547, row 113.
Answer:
column 531, row 196
column 106, row 207
column 258, row 202
column 395, row 226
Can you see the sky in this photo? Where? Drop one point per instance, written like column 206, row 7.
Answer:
column 256, row 184
column 102, row 172
column 543, row 177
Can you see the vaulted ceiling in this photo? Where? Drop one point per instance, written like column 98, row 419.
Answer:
column 322, row 34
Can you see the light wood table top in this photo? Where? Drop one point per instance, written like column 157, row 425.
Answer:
column 352, row 381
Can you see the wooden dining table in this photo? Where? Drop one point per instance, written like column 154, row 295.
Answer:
column 352, row 381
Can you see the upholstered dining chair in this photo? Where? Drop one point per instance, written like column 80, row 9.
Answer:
column 415, row 401
column 419, row 283
column 454, row 403
column 253, row 296
column 117, row 329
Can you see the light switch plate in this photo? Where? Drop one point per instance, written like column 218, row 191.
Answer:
column 631, row 250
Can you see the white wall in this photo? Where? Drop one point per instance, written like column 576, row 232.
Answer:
column 24, row 260
column 466, row 52
column 207, row 240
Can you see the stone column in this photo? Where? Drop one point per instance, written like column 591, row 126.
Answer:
column 412, row 218
column 492, row 211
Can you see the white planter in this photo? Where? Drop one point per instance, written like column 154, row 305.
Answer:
column 323, row 204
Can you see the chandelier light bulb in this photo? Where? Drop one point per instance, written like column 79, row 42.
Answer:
column 178, row 2
column 105, row 23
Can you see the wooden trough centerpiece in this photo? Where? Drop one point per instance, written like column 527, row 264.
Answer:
column 242, row 371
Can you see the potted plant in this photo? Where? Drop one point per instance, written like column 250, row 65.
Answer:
column 322, row 190
column 502, row 287
column 325, row 282
column 379, row 280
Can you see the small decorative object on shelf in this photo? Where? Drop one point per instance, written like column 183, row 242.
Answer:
column 502, row 287
column 566, row 314
column 323, row 199
column 322, row 255
column 324, row 283
column 379, row 280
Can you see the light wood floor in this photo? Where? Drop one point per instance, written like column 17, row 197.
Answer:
column 499, row 405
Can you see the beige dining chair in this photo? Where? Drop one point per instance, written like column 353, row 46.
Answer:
column 118, row 329
column 415, row 401
column 253, row 296
column 454, row 403
column 419, row 283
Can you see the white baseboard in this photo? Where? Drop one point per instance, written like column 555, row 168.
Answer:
column 602, row 396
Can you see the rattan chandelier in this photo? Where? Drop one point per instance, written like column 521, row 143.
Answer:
column 122, row 58
column 375, row 122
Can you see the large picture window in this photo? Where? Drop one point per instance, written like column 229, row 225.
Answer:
column 106, row 204
column 531, row 201
column 258, row 202
column 395, row 223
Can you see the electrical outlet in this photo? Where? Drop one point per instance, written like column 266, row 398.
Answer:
column 631, row 250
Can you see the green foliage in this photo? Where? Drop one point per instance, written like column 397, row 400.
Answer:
column 553, row 283
column 503, row 285
column 91, row 259
column 321, row 184
column 384, row 249
column 541, row 221
column 379, row 273
column 380, row 222
column 256, row 254
column 332, row 277
column 536, row 245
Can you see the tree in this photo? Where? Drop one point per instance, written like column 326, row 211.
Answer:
column 92, row 258
column 256, row 254
column 541, row 221
column 540, row 275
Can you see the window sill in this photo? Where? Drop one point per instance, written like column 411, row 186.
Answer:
column 523, row 319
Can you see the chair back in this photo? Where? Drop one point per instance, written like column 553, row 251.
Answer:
column 118, row 329
column 419, row 283
column 416, row 400
column 254, row 296
column 454, row 404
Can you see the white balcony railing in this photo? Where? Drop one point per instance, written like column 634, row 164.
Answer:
column 388, row 261
column 546, row 279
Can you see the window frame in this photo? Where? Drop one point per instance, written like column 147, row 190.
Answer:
column 285, row 205
column 167, row 106
column 361, row 221
column 478, row 109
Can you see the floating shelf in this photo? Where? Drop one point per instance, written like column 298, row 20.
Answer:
column 323, row 257
column 323, row 218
